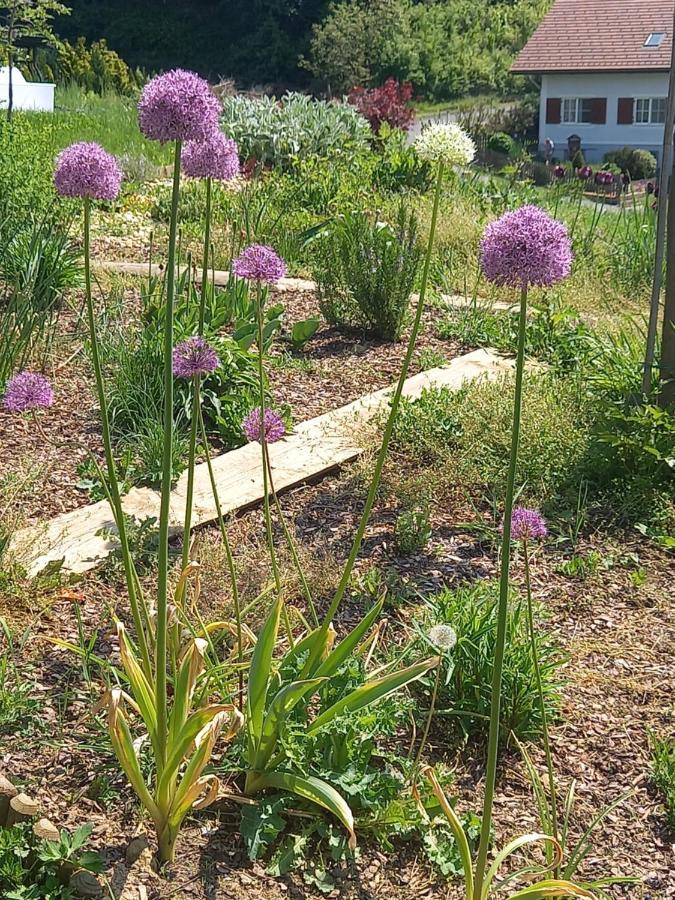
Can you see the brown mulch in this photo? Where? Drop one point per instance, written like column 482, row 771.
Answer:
column 334, row 369
column 619, row 639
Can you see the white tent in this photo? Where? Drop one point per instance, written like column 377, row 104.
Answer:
column 31, row 95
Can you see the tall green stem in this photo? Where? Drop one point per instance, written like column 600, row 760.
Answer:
column 389, row 427
column 228, row 555
column 495, row 705
column 116, row 504
column 167, row 465
column 205, row 258
column 427, row 727
column 289, row 540
column 263, row 444
column 542, row 703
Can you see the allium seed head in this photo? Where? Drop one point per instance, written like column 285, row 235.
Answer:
column 87, row 170
column 259, row 263
column 274, row 426
column 444, row 637
column 527, row 524
column 27, row 390
column 448, row 144
column 216, row 157
column 195, row 356
column 178, row 106
column 526, row 247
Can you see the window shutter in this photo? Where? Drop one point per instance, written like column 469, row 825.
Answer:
column 599, row 111
column 624, row 112
column 553, row 105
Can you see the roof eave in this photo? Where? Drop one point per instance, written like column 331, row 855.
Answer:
column 586, row 70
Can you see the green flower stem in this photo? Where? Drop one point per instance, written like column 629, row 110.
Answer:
column 495, row 705
column 542, row 704
column 205, row 261
column 263, row 444
column 389, row 427
column 116, row 504
column 228, row 555
column 289, row 540
column 167, row 461
column 427, row 727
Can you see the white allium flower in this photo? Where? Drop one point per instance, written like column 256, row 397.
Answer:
column 444, row 637
column 448, row 144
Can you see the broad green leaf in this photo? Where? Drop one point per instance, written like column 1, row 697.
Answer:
column 123, row 745
column 314, row 790
column 259, row 674
column 180, row 745
column 371, row 691
column 346, row 647
column 190, row 667
column 283, row 703
column 141, row 689
column 304, row 330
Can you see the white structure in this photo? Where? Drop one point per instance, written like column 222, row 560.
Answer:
column 603, row 69
column 30, row 95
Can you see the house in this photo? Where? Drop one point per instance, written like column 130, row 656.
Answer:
column 603, row 69
column 32, row 95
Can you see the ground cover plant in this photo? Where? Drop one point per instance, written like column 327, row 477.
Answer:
column 412, row 675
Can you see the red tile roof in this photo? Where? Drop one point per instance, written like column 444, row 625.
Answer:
column 599, row 36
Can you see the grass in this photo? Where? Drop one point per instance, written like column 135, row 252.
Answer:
column 663, row 769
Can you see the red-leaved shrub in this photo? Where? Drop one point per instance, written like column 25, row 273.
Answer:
column 387, row 103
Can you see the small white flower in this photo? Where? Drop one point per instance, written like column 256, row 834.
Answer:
column 444, row 637
column 448, row 144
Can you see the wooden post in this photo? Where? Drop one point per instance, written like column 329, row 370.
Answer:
column 661, row 216
column 667, row 392
column 21, row 808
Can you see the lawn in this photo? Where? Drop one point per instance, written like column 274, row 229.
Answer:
column 318, row 666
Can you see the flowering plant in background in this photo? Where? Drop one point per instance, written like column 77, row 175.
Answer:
column 216, row 157
column 524, row 248
column 448, row 144
column 274, row 428
column 27, row 391
column 260, row 264
column 194, row 357
column 559, row 171
column 87, row 170
column 178, row 106
column 527, row 524
column 521, row 249
column 584, row 172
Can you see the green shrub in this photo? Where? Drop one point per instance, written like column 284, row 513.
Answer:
column 663, row 768
column 500, row 142
column 464, row 698
column 365, row 271
column 274, row 132
column 469, row 432
column 399, row 167
column 95, row 68
column 636, row 163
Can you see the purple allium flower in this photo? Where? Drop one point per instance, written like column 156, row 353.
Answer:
column 216, row 157
column 274, row 426
column 86, row 170
column 178, row 106
column 28, row 390
column 526, row 247
column 259, row 263
column 585, row 172
column 559, row 171
column 195, row 356
column 527, row 524
column 650, row 187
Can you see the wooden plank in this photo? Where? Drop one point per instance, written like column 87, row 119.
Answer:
column 312, row 449
column 220, row 276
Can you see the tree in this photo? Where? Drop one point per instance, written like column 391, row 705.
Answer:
column 25, row 24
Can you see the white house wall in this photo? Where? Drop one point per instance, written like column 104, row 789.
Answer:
column 596, row 140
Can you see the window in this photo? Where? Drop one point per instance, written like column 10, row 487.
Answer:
column 655, row 39
column 649, row 111
column 576, row 109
